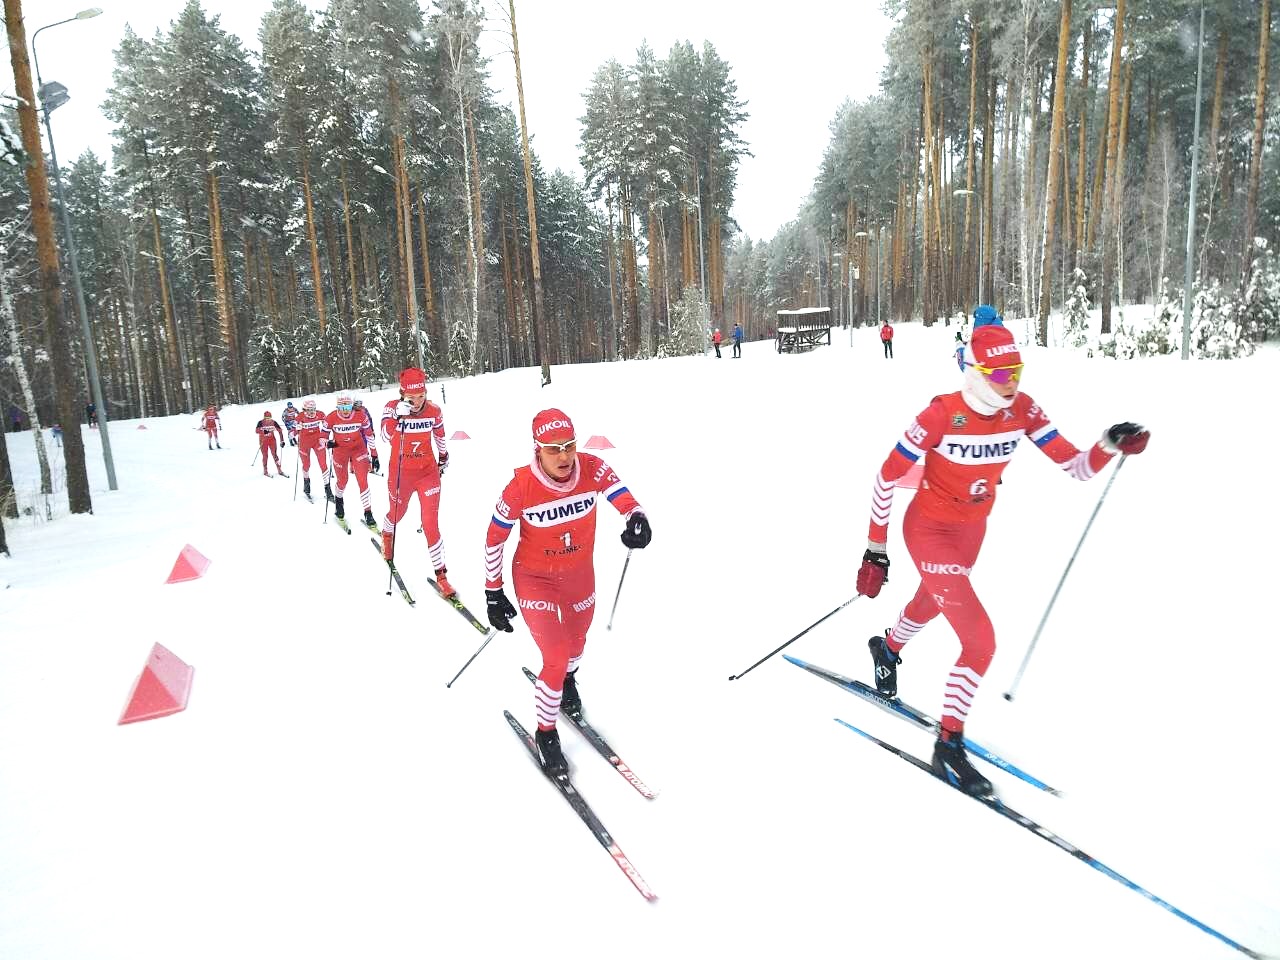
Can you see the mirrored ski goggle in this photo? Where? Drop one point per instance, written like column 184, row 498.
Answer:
column 345, row 407
column 1000, row 375
column 569, row 446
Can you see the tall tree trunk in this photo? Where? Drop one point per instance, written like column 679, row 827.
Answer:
column 477, row 212
column 927, row 266
column 227, row 325
column 351, row 248
column 1255, row 158
column 317, row 281
column 1115, row 81
column 57, row 331
column 1056, row 161
column 434, row 333
column 987, row 230
column 1215, row 113
column 970, row 247
column 1077, row 237
column 539, row 331
column 404, row 218
column 611, row 256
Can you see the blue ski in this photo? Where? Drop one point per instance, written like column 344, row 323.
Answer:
column 918, row 717
column 1031, row 826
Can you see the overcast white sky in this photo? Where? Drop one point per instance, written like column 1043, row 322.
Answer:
column 793, row 69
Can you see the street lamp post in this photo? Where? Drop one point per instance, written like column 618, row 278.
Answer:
column 53, row 95
column 974, row 193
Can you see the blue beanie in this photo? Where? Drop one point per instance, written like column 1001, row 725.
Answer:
column 986, row 314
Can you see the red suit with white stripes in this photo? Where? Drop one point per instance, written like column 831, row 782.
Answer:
column 268, row 429
column 212, row 423
column 312, row 433
column 413, row 469
column 947, row 520
column 353, row 436
column 553, row 567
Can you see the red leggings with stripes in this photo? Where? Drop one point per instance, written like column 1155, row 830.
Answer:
column 558, row 609
column 944, row 555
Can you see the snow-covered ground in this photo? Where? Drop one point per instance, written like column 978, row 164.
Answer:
column 324, row 795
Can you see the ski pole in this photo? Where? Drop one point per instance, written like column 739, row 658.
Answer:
column 739, row 676
column 1030, row 649
column 395, row 500
column 609, row 625
column 487, row 637
column 327, row 475
column 255, row 458
column 297, row 462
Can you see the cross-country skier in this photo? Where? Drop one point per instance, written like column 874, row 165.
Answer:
column 349, row 443
column 268, row 429
column 290, row 418
column 212, row 424
column 412, row 425
column 554, row 500
column 311, row 436
column 969, row 436
column 370, row 434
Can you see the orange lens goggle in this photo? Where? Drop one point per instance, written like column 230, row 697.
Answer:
column 1001, row 375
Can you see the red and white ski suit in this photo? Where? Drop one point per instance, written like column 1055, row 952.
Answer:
column 268, row 429
column 413, row 469
column 353, row 438
column 945, row 524
column 553, row 569
column 312, row 434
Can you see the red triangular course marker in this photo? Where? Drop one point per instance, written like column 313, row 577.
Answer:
column 190, row 565
column 161, row 689
column 460, row 435
column 142, row 426
column 598, row 443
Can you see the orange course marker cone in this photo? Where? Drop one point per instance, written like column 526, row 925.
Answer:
column 460, row 435
column 190, row 565
column 161, row 689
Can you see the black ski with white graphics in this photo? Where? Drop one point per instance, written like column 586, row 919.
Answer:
column 454, row 601
column 918, row 717
column 1031, row 826
column 342, row 522
column 601, row 746
column 583, row 810
column 395, row 574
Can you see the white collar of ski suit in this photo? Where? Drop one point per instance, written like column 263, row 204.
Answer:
column 977, row 393
column 553, row 484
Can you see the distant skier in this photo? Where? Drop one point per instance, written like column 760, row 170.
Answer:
column 970, row 436
column 554, row 500
column 268, row 429
column 212, row 424
column 290, row 418
column 349, row 441
column 311, row 436
column 960, row 350
column 412, row 424
column 886, row 338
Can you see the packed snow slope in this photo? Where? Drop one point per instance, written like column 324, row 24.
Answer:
column 324, row 796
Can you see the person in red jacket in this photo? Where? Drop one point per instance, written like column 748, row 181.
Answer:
column 413, row 425
column 554, row 500
column 212, row 423
column 267, row 430
column 970, row 436
column 716, row 340
column 310, row 428
column 886, row 338
column 348, row 443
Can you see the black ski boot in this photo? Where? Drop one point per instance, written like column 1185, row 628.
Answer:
column 338, row 509
column 328, row 491
column 570, row 701
column 553, row 761
column 218, row 445
column 886, row 665
column 369, row 522
column 306, row 487
column 951, row 763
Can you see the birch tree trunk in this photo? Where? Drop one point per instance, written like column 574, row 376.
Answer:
column 10, row 319
column 1115, row 82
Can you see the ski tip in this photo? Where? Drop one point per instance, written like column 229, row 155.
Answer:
column 796, row 660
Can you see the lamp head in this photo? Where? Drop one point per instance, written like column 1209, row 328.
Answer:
column 89, row 14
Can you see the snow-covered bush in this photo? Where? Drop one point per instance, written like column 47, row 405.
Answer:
column 1075, row 313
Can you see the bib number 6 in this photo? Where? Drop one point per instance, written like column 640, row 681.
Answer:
column 978, row 489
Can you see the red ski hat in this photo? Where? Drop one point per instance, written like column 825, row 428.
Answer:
column 266, row 415
column 993, row 346
column 553, row 426
column 413, row 380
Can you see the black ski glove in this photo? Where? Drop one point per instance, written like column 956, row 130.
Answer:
column 1126, row 438
column 331, row 444
column 500, row 610
column 637, row 535
column 377, row 467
